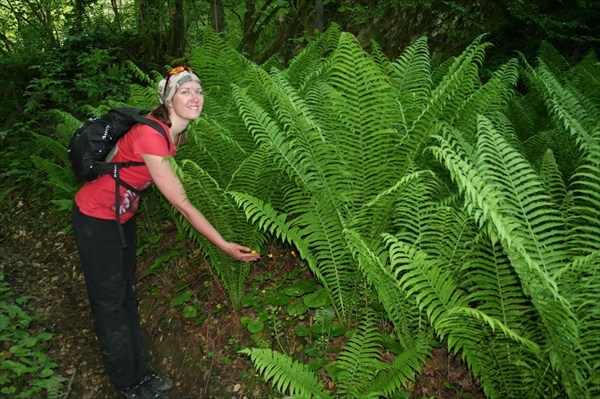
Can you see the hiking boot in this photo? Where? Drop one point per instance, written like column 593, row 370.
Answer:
column 143, row 390
column 159, row 382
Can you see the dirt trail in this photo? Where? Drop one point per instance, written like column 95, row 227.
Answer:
column 40, row 260
column 46, row 268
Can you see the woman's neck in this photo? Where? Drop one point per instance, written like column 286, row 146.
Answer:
column 178, row 125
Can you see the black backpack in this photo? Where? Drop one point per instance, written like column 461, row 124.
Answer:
column 92, row 142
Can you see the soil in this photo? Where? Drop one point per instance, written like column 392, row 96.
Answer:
column 39, row 258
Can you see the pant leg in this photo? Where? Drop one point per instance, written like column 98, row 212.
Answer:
column 131, row 302
column 109, row 271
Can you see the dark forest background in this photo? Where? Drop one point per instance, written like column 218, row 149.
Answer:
column 63, row 53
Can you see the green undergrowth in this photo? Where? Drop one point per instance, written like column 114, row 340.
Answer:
column 26, row 370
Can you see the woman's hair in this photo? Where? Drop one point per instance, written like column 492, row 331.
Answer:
column 161, row 113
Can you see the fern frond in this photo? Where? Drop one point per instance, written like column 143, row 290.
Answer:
column 306, row 137
column 374, row 217
column 404, row 366
column 523, row 197
column 53, row 146
column 58, row 177
column 266, row 130
column 309, row 59
column 223, row 213
column 268, row 219
column 580, row 280
column 362, row 103
column 495, row 292
column 459, row 313
column 400, row 309
column 214, row 147
column 552, row 179
column 585, row 76
column 65, row 126
column 411, row 80
column 584, row 219
column 564, row 105
column 446, row 99
column 558, row 323
column 258, row 177
column 490, row 99
column 424, row 279
column 358, row 362
column 139, row 74
column 286, row 375
column 143, row 97
column 63, row 205
column 219, row 66
column 550, row 56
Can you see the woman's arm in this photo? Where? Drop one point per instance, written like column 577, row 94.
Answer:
column 170, row 186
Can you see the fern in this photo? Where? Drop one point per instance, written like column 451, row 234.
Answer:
column 358, row 362
column 216, row 205
column 565, row 104
column 445, row 100
column 523, row 197
column 286, row 375
column 552, row 180
column 411, row 81
column 400, row 309
column 139, row 74
column 584, row 273
column 318, row 216
column 584, row 219
column 513, row 222
column 309, row 59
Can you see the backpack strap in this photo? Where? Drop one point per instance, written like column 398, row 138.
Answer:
column 118, row 183
column 138, row 116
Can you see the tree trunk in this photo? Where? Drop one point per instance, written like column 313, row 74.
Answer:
column 153, row 29
column 217, row 16
column 79, row 12
column 115, row 8
column 289, row 28
column 178, row 49
column 317, row 24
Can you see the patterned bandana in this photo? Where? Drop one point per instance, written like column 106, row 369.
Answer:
column 175, row 78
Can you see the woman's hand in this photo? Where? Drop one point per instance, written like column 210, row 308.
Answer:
column 170, row 186
column 240, row 252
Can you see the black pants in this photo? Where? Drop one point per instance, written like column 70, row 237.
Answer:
column 109, row 271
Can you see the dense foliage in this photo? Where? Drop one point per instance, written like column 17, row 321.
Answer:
column 457, row 210
column 436, row 197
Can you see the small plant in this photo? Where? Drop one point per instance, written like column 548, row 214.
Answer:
column 26, row 371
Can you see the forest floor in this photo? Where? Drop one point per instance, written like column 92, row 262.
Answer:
column 200, row 352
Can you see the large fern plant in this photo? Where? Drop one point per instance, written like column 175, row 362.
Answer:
column 351, row 137
column 540, row 232
column 488, row 265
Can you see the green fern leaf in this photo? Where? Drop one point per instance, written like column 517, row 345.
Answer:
column 584, row 217
column 358, row 362
column 286, row 375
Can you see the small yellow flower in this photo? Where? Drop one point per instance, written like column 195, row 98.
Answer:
column 253, row 251
column 270, row 255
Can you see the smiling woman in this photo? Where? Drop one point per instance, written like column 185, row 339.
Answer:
column 108, row 259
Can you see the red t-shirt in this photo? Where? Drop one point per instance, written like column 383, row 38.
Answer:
column 97, row 198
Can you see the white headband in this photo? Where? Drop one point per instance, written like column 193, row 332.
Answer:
column 174, row 81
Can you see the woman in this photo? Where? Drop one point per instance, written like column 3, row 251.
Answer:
column 108, row 266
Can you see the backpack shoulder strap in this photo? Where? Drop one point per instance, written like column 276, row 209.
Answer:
column 139, row 116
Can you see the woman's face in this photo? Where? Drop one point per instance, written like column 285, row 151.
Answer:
column 188, row 101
